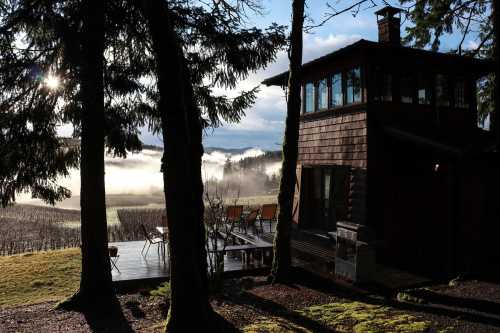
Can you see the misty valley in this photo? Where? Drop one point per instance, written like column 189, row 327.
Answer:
column 248, row 176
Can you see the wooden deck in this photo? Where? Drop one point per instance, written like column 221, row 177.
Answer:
column 134, row 267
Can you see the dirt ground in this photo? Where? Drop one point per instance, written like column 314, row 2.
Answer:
column 252, row 305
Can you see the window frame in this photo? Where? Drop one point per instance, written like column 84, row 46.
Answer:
column 318, row 107
column 429, row 86
column 466, row 94
column 306, row 98
column 346, row 74
column 412, row 88
column 446, row 90
column 342, row 94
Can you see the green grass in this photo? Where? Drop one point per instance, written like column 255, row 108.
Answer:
column 348, row 316
column 38, row 277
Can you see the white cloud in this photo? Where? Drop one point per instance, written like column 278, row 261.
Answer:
column 471, row 45
column 315, row 47
column 268, row 113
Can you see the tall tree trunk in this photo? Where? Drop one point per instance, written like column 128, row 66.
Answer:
column 495, row 117
column 196, row 154
column 282, row 257
column 189, row 305
column 96, row 282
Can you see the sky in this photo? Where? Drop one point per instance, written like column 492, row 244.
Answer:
column 263, row 125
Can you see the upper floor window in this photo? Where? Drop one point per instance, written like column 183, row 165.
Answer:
column 323, row 94
column 309, row 96
column 383, row 86
column 442, row 90
column 406, row 86
column 353, row 85
column 424, row 90
column 337, row 95
column 460, row 94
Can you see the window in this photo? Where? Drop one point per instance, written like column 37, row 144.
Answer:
column 383, row 85
column 460, row 94
column 353, row 81
column 337, row 95
column 407, row 89
column 323, row 94
column 386, row 87
column 442, row 90
column 424, row 90
column 327, row 193
column 309, row 97
column 302, row 98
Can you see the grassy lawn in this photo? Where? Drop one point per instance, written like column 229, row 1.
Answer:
column 357, row 317
column 38, row 277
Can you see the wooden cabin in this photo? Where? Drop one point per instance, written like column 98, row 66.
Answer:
column 389, row 139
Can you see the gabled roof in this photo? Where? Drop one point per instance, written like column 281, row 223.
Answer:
column 479, row 66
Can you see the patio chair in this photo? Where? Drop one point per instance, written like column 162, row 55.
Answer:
column 268, row 213
column 233, row 214
column 250, row 221
column 113, row 257
column 151, row 239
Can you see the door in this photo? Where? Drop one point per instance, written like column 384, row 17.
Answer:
column 324, row 199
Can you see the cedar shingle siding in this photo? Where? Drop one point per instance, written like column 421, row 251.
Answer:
column 340, row 140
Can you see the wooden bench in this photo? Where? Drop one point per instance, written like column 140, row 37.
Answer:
column 327, row 254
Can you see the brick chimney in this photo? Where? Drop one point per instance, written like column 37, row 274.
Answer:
column 389, row 21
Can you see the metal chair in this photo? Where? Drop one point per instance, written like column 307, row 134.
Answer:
column 113, row 257
column 233, row 214
column 151, row 239
column 268, row 213
column 249, row 221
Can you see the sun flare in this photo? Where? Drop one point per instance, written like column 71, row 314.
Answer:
column 52, row 82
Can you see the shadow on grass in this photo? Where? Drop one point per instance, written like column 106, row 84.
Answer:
column 447, row 306
column 478, row 305
column 278, row 310
column 222, row 325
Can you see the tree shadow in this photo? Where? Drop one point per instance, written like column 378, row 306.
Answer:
column 222, row 325
column 438, row 304
column 134, row 308
column 109, row 319
column 447, row 312
column 274, row 309
column 487, row 307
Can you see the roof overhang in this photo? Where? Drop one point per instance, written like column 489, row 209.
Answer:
column 477, row 67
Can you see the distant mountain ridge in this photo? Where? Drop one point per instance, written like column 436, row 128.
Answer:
column 209, row 150
column 232, row 151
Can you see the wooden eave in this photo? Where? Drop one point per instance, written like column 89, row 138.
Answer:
column 402, row 57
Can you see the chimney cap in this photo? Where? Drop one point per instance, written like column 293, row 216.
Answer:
column 388, row 11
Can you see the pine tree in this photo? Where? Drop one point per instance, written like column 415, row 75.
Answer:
column 186, row 105
column 67, row 41
column 217, row 52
